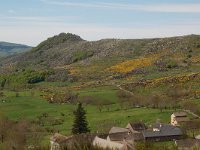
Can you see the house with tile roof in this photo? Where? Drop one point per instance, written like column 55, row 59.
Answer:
column 160, row 132
column 179, row 117
column 118, row 130
column 59, row 141
column 136, row 127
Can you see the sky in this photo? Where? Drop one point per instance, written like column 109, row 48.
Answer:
column 32, row 21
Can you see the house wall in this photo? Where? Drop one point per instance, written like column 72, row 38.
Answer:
column 131, row 129
column 108, row 144
column 173, row 120
column 54, row 145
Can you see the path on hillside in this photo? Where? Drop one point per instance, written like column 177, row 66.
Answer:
column 119, row 86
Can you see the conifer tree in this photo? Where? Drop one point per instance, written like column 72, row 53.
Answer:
column 80, row 123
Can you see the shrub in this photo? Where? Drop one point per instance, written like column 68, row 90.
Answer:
column 62, row 98
column 189, row 56
column 171, row 64
column 80, row 55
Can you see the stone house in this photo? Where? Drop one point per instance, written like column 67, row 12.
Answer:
column 57, row 140
column 104, row 143
column 118, row 130
column 178, row 117
column 136, row 127
column 162, row 132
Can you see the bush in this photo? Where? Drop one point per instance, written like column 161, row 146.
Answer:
column 189, row 56
column 80, row 55
column 34, row 76
column 171, row 64
column 71, row 98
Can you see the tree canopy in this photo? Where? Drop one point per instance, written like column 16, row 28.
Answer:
column 80, row 123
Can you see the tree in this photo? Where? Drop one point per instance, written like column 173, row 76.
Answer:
column 192, row 126
column 123, row 98
column 80, row 123
column 176, row 94
column 2, row 94
column 3, row 82
column 159, row 101
column 5, row 125
column 190, row 105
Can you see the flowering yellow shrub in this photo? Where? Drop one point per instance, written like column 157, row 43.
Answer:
column 131, row 65
column 170, row 79
column 180, row 79
column 72, row 71
column 197, row 92
column 196, row 59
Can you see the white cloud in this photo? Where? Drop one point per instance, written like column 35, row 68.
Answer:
column 177, row 8
column 36, row 19
column 32, row 30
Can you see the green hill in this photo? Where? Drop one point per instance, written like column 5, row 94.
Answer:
column 67, row 57
column 11, row 48
column 110, row 58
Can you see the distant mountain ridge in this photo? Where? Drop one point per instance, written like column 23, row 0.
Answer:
column 7, row 48
column 109, row 58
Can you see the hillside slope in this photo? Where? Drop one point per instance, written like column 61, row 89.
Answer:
column 110, row 59
column 11, row 48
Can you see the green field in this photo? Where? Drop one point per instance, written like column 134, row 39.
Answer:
column 27, row 107
column 30, row 105
column 108, row 93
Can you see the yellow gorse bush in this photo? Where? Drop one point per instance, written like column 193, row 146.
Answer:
column 180, row 79
column 196, row 59
column 177, row 79
column 72, row 71
column 131, row 65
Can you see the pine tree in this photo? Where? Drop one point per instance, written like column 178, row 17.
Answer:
column 80, row 123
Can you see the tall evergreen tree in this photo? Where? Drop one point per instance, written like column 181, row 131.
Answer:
column 80, row 123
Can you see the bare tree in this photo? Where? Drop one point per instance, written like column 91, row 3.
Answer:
column 176, row 94
column 2, row 95
column 5, row 125
column 159, row 101
column 123, row 98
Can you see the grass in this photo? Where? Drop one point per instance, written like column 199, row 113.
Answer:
column 101, row 93
column 52, row 84
column 27, row 107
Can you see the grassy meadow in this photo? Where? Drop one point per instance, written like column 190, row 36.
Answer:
column 25, row 106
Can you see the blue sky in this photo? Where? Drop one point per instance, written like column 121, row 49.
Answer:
column 32, row 21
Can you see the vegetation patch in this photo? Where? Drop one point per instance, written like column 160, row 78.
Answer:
column 80, row 55
column 131, row 65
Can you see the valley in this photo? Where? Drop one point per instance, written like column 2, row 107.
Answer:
column 118, row 81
